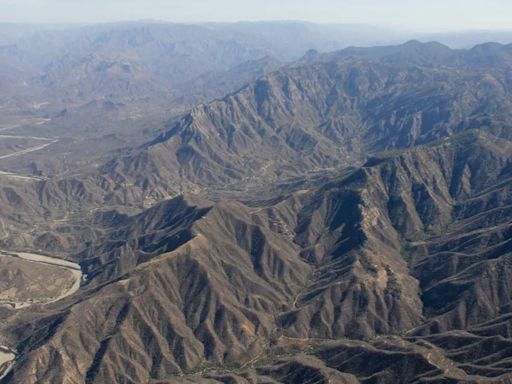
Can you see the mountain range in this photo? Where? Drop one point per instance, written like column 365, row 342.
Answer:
column 337, row 217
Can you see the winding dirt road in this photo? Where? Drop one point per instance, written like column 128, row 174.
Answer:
column 28, row 150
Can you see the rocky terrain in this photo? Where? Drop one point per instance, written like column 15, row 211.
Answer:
column 345, row 218
column 324, row 115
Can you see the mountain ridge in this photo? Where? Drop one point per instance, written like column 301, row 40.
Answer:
column 344, row 220
column 362, row 252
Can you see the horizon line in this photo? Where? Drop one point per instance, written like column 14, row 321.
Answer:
column 390, row 28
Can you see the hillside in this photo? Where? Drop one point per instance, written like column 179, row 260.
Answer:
column 317, row 116
column 345, row 218
column 413, row 244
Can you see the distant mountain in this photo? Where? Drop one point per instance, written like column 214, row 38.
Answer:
column 152, row 71
column 217, row 84
column 329, row 112
column 150, row 62
column 468, row 39
column 135, row 60
column 430, row 53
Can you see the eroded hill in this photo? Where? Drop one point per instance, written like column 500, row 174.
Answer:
column 343, row 219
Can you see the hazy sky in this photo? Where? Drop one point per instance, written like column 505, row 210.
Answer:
column 407, row 14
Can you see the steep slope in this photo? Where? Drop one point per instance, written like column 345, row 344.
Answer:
column 226, row 292
column 452, row 215
column 318, row 116
column 399, row 267
column 214, row 298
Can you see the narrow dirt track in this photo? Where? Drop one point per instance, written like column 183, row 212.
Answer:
column 48, row 142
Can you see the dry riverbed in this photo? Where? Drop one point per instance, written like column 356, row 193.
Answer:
column 28, row 278
column 6, row 360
